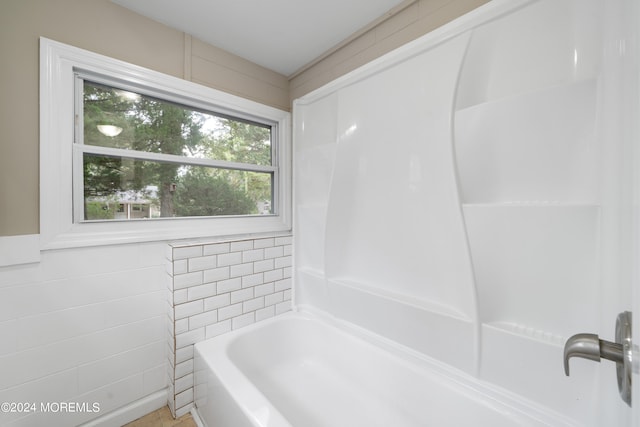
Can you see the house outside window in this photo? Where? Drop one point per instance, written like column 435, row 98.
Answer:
column 171, row 158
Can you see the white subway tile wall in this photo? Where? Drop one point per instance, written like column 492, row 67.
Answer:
column 218, row 287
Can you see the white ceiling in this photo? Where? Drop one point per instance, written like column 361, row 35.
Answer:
column 282, row 35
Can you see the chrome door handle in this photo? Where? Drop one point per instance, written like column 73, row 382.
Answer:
column 591, row 347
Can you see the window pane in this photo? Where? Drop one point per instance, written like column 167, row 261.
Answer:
column 121, row 119
column 123, row 188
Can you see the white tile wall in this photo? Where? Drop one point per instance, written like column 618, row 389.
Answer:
column 217, row 287
column 83, row 325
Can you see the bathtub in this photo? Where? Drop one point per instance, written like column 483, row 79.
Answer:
column 306, row 369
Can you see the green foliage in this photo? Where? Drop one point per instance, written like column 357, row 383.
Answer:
column 244, row 142
column 220, row 197
column 156, row 126
column 100, row 210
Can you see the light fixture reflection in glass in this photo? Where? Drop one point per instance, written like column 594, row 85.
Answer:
column 109, row 130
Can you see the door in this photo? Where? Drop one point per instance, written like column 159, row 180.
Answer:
column 620, row 193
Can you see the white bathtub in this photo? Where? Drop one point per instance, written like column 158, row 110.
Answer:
column 306, row 370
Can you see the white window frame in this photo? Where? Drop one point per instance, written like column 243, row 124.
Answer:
column 59, row 64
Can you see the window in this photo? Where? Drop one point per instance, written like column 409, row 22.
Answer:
column 132, row 155
column 166, row 159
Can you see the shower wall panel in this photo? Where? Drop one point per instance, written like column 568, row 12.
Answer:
column 527, row 147
column 394, row 180
column 449, row 196
column 377, row 206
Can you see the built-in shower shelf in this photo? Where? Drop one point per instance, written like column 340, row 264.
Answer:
column 537, row 146
column 526, row 97
column 404, row 299
column 528, row 332
column 530, row 203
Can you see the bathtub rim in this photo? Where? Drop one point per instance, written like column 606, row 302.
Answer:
column 248, row 396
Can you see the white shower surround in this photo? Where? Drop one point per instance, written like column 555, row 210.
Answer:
column 456, row 196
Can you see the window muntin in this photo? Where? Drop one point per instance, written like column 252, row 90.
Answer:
column 143, row 157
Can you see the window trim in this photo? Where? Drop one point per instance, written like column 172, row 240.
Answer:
column 59, row 64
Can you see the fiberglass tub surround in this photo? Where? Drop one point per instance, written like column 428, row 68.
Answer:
column 454, row 196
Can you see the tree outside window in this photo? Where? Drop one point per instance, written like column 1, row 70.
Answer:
column 144, row 157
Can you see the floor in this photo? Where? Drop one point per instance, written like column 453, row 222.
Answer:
column 162, row 418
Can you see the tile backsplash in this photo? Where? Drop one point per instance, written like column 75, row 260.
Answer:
column 216, row 287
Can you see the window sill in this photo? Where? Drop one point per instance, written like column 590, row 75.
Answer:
column 107, row 233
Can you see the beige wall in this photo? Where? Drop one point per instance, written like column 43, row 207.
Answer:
column 412, row 22
column 103, row 27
